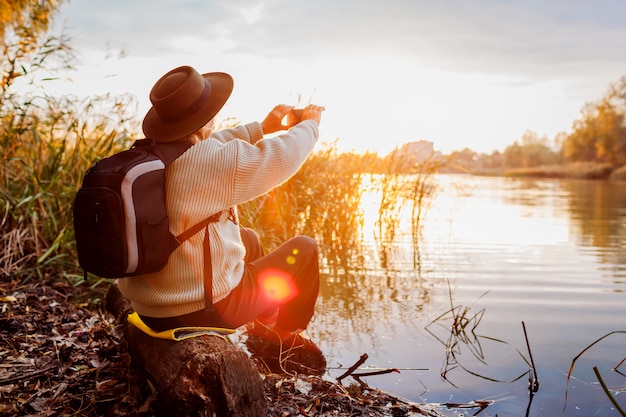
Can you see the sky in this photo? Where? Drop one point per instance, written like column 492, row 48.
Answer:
column 462, row 74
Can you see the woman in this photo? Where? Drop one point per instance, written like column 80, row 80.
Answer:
column 220, row 276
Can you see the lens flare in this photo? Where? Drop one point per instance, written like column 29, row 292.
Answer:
column 277, row 285
column 291, row 259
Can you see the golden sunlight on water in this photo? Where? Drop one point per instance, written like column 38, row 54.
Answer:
column 501, row 251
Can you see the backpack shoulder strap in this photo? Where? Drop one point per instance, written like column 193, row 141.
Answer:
column 208, row 269
column 197, row 227
column 165, row 151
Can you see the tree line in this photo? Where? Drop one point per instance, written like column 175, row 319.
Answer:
column 598, row 136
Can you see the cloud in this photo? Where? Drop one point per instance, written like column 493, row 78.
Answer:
column 141, row 27
column 434, row 58
column 529, row 39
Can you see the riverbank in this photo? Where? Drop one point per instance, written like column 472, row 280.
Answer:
column 62, row 356
column 577, row 170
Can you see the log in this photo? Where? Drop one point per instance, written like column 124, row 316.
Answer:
column 202, row 376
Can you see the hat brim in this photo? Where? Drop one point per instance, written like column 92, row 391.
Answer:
column 221, row 88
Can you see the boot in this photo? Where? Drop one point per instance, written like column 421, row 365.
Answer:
column 284, row 351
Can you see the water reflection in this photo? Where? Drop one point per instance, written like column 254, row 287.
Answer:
column 548, row 252
column 360, row 304
column 596, row 211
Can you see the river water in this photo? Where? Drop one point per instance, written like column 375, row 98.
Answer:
column 447, row 310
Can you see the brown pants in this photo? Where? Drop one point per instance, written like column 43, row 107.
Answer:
column 286, row 280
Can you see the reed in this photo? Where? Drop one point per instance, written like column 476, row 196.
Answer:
column 460, row 323
column 405, row 183
column 48, row 145
column 323, row 200
column 580, row 354
column 460, row 327
column 607, row 391
column 533, row 379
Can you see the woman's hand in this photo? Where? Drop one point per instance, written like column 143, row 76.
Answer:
column 274, row 120
column 313, row 112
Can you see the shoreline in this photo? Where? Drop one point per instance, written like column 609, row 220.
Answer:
column 577, row 170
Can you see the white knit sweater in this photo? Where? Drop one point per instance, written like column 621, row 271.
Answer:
column 231, row 167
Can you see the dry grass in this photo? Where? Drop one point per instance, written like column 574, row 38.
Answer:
column 47, row 149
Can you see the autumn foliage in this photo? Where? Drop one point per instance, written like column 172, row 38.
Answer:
column 600, row 133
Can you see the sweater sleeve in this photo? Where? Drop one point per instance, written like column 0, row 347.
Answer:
column 214, row 175
column 251, row 132
column 272, row 160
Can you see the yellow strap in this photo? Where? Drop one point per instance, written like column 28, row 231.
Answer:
column 180, row 333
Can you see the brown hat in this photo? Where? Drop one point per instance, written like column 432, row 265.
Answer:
column 183, row 101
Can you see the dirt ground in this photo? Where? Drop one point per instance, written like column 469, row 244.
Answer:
column 60, row 355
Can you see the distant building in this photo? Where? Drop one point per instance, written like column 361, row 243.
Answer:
column 417, row 151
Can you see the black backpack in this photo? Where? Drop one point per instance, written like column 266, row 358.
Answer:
column 120, row 220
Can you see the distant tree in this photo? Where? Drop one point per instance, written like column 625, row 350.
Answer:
column 467, row 160
column 494, row 160
column 559, row 141
column 26, row 44
column 600, row 133
column 580, row 144
column 464, row 160
column 610, row 134
column 35, row 14
column 617, row 94
column 513, row 156
column 532, row 152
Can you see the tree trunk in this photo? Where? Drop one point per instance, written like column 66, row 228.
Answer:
column 201, row 376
